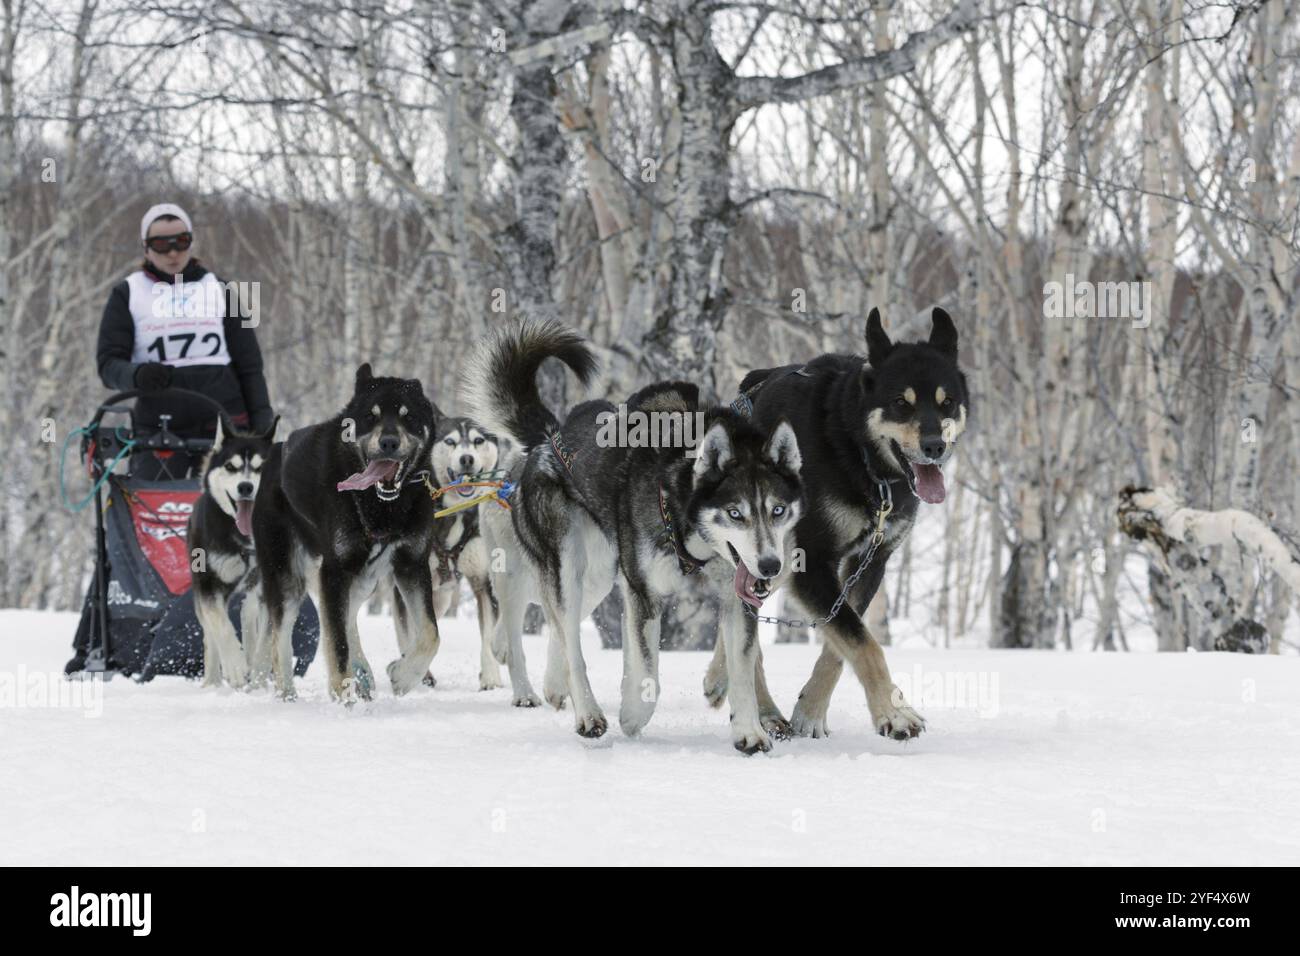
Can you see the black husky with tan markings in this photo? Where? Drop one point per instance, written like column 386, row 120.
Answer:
column 343, row 507
column 875, row 435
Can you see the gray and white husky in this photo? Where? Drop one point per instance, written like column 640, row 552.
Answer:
column 461, row 548
column 590, row 512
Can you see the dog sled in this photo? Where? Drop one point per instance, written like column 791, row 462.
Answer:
column 139, row 618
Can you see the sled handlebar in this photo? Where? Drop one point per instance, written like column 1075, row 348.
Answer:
column 110, row 404
column 164, row 439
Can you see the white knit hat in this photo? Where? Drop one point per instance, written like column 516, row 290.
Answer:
column 160, row 210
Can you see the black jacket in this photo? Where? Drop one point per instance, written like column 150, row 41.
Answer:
column 240, row 387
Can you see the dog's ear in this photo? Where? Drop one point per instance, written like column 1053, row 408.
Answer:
column 221, row 434
column 364, row 375
column 878, row 344
column 782, row 448
column 943, row 333
column 714, row 451
column 269, row 434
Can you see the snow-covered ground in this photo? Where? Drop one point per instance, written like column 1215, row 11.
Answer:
column 1047, row 758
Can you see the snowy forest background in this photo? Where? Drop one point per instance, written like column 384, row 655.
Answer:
column 704, row 188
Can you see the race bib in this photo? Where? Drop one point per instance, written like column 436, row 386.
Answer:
column 178, row 323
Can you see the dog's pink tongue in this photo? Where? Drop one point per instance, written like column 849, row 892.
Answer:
column 379, row 470
column 745, row 586
column 929, row 483
column 244, row 517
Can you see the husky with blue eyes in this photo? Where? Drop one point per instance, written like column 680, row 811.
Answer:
column 719, row 499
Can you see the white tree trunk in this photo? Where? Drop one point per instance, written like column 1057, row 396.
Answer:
column 1176, row 535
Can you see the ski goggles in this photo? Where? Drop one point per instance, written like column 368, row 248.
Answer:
column 161, row 244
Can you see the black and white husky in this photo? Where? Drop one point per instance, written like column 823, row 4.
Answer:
column 590, row 512
column 342, row 508
column 221, row 541
column 873, row 430
column 463, row 449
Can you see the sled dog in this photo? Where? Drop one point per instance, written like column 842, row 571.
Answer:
column 590, row 513
column 221, row 540
column 343, row 507
column 875, row 436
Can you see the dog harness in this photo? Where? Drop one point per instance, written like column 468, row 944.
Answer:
column 562, row 451
column 686, row 563
column 449, row 558
column 743, row 404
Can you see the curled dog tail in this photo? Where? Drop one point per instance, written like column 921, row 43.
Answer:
column 499, row 387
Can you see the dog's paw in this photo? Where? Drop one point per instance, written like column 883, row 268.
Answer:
column 428, row 680
column 364, row 679
column 212, row 679
column 591, row 725
column 805, row 722
column 899, row 722
column 555, row 690
column 529, row 700
column 749, row 737
column 488, row 682
column 715, row 691
column 403, row 679
column 356, row 689
column 777, row 727
column 236, row 673
column 634, row 715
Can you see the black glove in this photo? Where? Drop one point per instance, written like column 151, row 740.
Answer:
column 152, row 376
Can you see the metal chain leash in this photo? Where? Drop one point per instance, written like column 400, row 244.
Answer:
column 877, row 537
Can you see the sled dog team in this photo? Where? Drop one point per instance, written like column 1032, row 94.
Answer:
column 809, row 480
